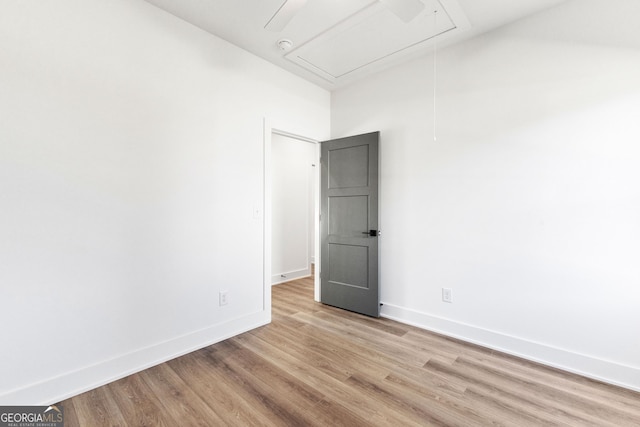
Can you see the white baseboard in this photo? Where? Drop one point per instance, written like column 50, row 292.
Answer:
column 587, row 366
column 73, row 383
column 291, row 275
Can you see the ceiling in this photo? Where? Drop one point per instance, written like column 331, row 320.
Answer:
column 336, row 42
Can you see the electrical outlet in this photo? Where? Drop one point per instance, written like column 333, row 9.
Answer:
column 223, row 298
column 446, row 295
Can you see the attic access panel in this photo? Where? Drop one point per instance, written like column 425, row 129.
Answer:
column 373, row 36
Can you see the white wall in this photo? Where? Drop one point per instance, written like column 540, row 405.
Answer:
column 528, row 204
column 293, row 196
column 131, row 160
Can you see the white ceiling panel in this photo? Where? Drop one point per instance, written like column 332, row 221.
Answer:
column 374, row 34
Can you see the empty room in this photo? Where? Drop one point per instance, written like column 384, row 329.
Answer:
column 314, row 212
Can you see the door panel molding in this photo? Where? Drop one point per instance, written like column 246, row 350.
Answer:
column 349, row 210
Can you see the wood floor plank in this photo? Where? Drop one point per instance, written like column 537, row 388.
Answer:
column 308, row 350
column 98, row 408
column 339, row 395
column 221, row 394
column 523, row 399
column 568, row 403
column 316, row 365
column 508, row 413
column 397, row 410
column 271, row 405
column 352, row 356
column 610, row 398
column 377, row 324
column 442, row 402
column 333, row 413
column 70, row 415
column 180, row 402
column 141, row 404
column 366, row 339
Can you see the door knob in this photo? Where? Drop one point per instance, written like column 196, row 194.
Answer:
column 372, row 233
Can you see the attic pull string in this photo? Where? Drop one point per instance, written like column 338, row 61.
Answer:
column 435, row 68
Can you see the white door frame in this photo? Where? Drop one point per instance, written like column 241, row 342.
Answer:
column 269, row 130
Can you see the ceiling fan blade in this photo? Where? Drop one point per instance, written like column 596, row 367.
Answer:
column 405, row 9
column 284, row 14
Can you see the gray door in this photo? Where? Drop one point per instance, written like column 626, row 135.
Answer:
column 349, row 223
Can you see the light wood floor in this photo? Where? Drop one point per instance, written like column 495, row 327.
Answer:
column 316, row 365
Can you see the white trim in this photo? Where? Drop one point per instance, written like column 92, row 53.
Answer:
column 581, row 364
column 293, row 136
column 317, row 260
column 71, row 384
column 266, row 216
column 290, row 275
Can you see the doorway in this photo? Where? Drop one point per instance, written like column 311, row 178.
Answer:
column 292, row 174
